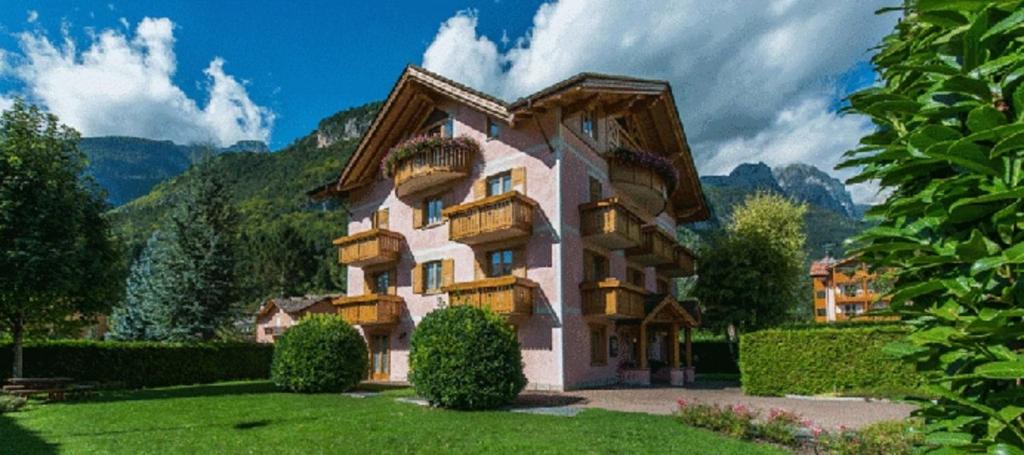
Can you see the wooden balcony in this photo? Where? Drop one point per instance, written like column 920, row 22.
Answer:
column 433, row 167
column 610, row 224
column 640, row 184
column 508, row 295
column 613, row 299
column 658, row 247
column 502, row 217
column 370, row 309
column 682, row 264
column 375, row 246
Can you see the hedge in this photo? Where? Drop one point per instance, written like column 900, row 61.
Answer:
column 823, row 360
column 141, row 364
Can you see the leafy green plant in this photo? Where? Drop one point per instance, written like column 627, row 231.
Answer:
column 823, row 360
column 882, row 438
column 11, row 403
column 466, row 358
column 781, row 427
column 949, row 146
column 322, row 353
column 737, row 420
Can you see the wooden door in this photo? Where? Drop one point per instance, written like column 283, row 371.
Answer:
column 380, row 357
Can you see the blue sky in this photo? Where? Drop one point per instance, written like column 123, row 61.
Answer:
column 753, row 84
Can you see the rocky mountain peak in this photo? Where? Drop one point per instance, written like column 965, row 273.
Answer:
column 809, row 184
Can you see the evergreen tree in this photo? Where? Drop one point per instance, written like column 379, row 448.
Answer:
column 57, row 257
column 201, row 262
column 148, row 291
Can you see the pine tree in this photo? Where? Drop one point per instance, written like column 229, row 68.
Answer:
column 201, row 263
column 147, row 293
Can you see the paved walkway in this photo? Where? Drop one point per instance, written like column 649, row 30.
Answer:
column 827, row 413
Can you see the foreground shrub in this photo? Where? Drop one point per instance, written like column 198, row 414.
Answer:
column 142, row 364
column 782, row 427
column 736, row 420
column 883, row 438
column 322, row 353
column 466, row 358
column 11, row 403
column 822, row 360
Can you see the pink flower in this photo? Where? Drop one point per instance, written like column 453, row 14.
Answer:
column 681, row 402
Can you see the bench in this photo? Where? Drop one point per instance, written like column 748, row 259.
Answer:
column 54, row 388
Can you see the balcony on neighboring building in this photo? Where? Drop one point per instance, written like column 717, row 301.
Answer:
column 510, row 296
column 610, row 224
column 370, row 309
column 502, row 217
column 372, row 247
column 682, row 264
column 656, row 248
column 613, row 299
column 430, row 162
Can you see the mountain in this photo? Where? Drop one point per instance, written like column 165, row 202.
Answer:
column 831, row 218
column 128, row 167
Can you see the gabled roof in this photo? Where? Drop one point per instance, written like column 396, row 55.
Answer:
column 417, row 91
column 292, row 305
column 658, row 305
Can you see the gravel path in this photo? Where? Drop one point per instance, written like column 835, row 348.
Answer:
column 827, row 413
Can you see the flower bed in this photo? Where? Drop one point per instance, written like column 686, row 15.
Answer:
column 657, row 163
column 419, row 144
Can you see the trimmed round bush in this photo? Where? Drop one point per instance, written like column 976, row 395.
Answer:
column 322, row 353
column 466, row 358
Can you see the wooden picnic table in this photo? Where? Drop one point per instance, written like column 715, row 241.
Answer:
column 53, row 387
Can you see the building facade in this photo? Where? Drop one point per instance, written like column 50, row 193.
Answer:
column 277, row 315
column 557, row 211
column 846, row 289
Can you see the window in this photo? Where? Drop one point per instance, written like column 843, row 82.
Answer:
column 500, row 263
column 636, row 277
column 381, row 282
column 598, row 353
column 432, row 276
column 822, row 312
column 493, row 129
column 596, row 191
column 499, row 184
column 433, row 208
column 587, row 124
column 595, row 266
column 449, row 128
column 819, row 295
column 853, row 309
column 663, row 286
column 851, row 290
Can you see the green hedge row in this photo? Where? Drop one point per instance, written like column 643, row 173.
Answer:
column 823, row 360
column 141, row 364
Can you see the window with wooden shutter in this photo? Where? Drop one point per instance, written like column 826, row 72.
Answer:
column 417, row 217
column 519, row 262
column 380, row 219
column 393, row 282
column 596, row 190
column 519, row 179
column 417, row 279
column 598, row 347
column 447, row 272
column 480, row 189
column 432, row 276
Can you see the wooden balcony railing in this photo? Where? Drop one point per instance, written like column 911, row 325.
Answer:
column 682, row 263
column 370, row 309
column 609, row 223
column 508, row 295
column 502, row 217
column 433, row 167
column 657, row 248
column 613, row 299
column 375, row 246
column 640, row 184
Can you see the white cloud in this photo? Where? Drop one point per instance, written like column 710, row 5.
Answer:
column 122, row 85
column 736, row 70
column 33, row 16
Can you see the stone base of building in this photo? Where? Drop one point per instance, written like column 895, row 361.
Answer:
column 635, row 376
column 683, row 376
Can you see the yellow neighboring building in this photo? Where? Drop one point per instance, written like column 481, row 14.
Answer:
column 845, row 289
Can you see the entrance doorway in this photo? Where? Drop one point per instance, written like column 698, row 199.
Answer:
column 380, row 357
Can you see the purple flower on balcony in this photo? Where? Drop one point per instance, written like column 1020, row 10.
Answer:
column 657, row 163
column 417, row 144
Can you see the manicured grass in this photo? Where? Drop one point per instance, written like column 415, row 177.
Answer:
column 252, row 417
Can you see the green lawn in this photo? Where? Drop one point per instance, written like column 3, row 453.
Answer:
column 251, row 417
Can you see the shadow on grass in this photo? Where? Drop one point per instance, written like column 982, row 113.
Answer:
column 208, row 390
column 17, row 439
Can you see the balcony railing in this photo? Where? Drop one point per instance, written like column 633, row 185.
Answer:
column 682, row 263
column 508, row 295
column 657, row 247
column 609, row 223
column 501, row 217
column 375, row 246
column 613, row 299
column 640, row 184
column 433, row 167
column 370, row 309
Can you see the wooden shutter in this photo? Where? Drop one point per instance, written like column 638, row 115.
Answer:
column 480, row 189
column 519, row 262
column 588, row 265
column 519, row 179
column 447, row 272
column 417, row 215
column 368, row 284
column 381, row 219
column 392, row 282
column 417, row 279
column 479, row 264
